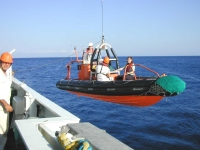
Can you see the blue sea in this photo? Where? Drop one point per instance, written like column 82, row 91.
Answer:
column 172, row 123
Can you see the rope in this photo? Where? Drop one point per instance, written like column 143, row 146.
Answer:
column 93, row 81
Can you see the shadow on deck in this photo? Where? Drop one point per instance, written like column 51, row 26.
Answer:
column 11, row 144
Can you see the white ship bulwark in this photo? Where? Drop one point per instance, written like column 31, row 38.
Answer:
column 36, row 119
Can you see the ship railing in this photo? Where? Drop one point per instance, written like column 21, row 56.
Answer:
column 68, row 66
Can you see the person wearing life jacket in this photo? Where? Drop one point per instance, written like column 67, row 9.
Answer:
column 130, row 69
column 103, row 71
column 87, row 55
column 6, row 61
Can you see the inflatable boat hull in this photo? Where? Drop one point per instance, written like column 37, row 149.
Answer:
column 134, row 93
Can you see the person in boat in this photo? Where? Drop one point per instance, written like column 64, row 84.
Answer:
column 5, row 92
column 103, row 71
column 129, row 69
column 88, row 54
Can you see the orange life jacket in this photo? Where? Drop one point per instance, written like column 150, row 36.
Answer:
column 129, row 67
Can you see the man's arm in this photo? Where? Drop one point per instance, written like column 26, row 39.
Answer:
column 6, row 106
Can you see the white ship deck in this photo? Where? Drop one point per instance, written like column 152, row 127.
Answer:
column 36, row 119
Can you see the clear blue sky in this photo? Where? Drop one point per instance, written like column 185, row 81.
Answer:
column 47, row 28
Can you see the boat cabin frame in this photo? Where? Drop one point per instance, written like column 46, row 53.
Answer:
column 88, row 72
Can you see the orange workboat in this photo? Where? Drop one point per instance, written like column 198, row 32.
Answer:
column 140, row 91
